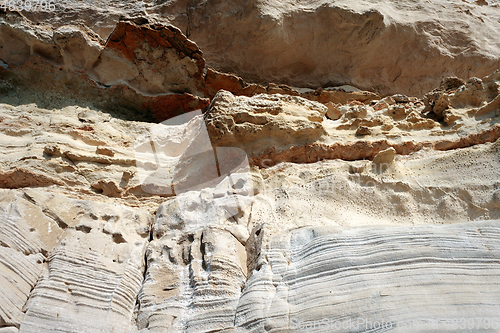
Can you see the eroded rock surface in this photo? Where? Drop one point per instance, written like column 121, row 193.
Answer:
column 229, row 246
column 146, row 68
column 378, row 45
column 274, row 198
column 391, row 47
column 263, row 125
column 326, row 280
column 74, row 259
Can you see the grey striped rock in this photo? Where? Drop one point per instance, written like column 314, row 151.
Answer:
column 69, row 265
column 397, row 279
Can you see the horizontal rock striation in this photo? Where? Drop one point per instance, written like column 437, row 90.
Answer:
column 418, row 278
column 73, row 260
column 254, row 206
column 81, row 152
column 258, row 252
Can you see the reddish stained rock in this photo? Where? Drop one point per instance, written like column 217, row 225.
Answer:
column 215, row 81
column 26, row 177
column 358, row 150
column 489, row 135
column 340, row 96
column 349, row 151
column 156, row 60
column 140, row 64
column 127, row 34
column 168, row 106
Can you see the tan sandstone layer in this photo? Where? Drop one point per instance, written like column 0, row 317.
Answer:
column 276, row 209
column 78, row 221
column 402, row 46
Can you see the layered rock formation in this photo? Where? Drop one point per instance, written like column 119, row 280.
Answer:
column 224, row 257
column 143, row 191
column 379, row 45
column 327, row 280
column 391, row 47
column 404, row 123
column 74, row 259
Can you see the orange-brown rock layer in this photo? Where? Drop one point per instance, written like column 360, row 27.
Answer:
column 366, row 150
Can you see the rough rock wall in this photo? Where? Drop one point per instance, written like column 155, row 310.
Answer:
column 402, row 46
column 387, row 46
column 277, row 209
column 151, row 71
column 299, row 239
column 74, row 259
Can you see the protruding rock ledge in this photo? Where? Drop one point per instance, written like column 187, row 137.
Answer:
column 281, row 128
column 151, row 70
column 146, row 68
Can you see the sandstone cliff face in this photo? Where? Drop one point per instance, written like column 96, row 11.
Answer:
column 75, row 259
column 380, row 45
column 143, row 191
column 390, row 47
column 84, row 236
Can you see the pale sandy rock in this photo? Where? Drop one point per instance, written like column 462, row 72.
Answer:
column 478, row 98
column 326, row 280
column 26, row 228
column 8, row 329
column 90, row 277
column 381, row 46
column 259, row 199
column 356, row 111
column 383, row 103
column 79, row 51
column 27, row 236
column 340, row 95
column 371, row 45
column 262, row 125
column 164, row 68
column 105, row 151
column 71, row 148
column 193, row 282
column 94, row 271
column 400, row 98
column 197, row 262
column 177, row 157
column 156, row 72
column 215, row 81
column 281, row 264
column 152, row 60
column 217, row 206
column 424, row 188
column 290, row 219
column 398, row 112
column 73, row 258
column 19, row 276
column 491, row 107
column 282, row 121
column 385, row 156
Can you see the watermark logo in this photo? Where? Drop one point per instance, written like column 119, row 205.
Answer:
column 177, row 158
column 29, row 5
column 364, row 324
